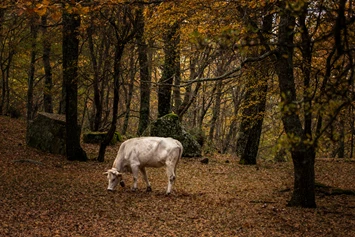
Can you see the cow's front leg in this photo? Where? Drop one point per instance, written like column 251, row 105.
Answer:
column 135, row 177
column 145, row 177
column 171, row 178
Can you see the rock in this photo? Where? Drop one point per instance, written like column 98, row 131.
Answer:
column 169, row 126
column 204, row 161
column 47, row 133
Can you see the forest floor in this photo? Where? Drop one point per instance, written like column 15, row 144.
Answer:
column 46, row 195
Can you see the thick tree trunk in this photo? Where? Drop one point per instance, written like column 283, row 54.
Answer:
column 303, row 155
column 252, row 120
column 71, row 24
column 166, row 81
column 254, row 105
column 304, row 184
column 144, row 73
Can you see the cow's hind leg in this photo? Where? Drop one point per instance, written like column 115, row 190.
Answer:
column 171, row 178
column 135, row 177
column 145, row 177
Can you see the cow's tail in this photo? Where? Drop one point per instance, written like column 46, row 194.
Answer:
column 181, row 150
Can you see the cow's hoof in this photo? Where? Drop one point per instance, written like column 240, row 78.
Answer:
column 134, row 189
column 149, row 189
column 122, row 184
column 167, row 194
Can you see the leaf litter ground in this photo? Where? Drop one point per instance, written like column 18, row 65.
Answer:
column 46, row 195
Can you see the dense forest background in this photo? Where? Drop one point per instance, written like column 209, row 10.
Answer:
column 267, row 79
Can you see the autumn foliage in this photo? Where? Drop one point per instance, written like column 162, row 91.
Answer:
column 267, row 80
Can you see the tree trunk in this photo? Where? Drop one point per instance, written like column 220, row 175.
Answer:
column 129, row 95
column 31, row 73
column 2, row 100
column 6, row 62
column 177, row 79
column 237, row 95
column 145, row 77
column 216, row 109
column 96, row 85
column 117, row 70
column 71, row 24
column 303, row 155
column 48, row 84
column 252, row 118
column 254, row 105
column 166, row 81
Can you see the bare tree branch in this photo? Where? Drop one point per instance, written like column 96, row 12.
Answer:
column 231, row 73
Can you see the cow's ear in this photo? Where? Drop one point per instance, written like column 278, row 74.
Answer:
column 105, row 173
column 119, row 174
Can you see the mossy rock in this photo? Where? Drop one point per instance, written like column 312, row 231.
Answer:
column 47, row 132
column 170, row 126
column 98, row 137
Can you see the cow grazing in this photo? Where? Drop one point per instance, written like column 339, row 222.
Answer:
column 136, row 154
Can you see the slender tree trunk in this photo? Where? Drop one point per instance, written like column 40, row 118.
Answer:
column 48, row 84
column 71, row 24
column 352, row 125
column 216, row 109
column 177, row 79
column 303, row 155
column 96, row 85
column 132, row 73
column 62, row 104
column 2, row 84
column 117, row 70
column 238, row 94
column 31, row 73
column 5, row 73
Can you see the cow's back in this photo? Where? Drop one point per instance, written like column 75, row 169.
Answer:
column 149, row 151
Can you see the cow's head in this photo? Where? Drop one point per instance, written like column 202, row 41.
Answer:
column 114, row 177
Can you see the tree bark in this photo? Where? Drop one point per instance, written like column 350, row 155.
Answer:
column 48, row 84
column 5, row 65
column 129, row 95
column 31, row 73
column 303, row 155
column 145, row 77
column 254, row 105
column 166, row 81
column 71, row 24
column 96, row 85
column 216, row 109
column 117, row 70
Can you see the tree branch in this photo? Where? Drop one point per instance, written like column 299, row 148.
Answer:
column 231, row 73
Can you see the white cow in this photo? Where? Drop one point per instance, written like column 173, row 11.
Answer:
column 137, row 153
